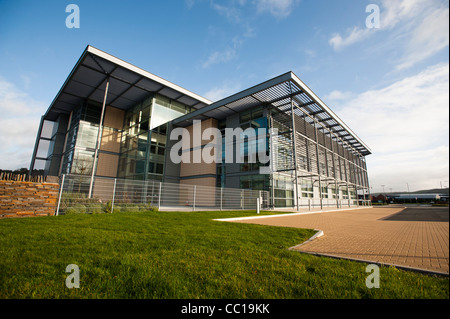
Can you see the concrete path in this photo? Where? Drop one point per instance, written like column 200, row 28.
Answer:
column 415, row 237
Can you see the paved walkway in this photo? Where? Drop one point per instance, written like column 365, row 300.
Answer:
column 416, row 237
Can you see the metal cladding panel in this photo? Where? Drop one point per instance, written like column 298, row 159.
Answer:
column 123, row 103
column 134, row 94
column 99, row 95
column 70, row 99
column 172, row 94
column 88, row 76
column 128, row 84
column 187, row 100
column 279, row 95
column 126, row 75
column 116, row 87
column 99, row 64
column 78, row 89
column 149, row 85
column 219, row 113
column 107, row 66
column 198, row 106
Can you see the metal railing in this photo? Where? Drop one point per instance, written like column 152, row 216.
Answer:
column 113, row 194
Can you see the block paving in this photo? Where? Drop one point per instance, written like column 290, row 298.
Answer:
column 415, row 237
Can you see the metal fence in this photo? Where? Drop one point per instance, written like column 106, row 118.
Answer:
column 326, row 203
column 114, row 194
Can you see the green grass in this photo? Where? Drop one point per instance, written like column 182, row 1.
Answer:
column 181, row 255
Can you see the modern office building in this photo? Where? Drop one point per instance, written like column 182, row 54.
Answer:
column 113, row 119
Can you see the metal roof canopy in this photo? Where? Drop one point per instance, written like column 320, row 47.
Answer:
column 128, row 86
column 278, row 93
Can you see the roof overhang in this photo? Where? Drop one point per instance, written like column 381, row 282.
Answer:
column 279, row 92
column 128, row 85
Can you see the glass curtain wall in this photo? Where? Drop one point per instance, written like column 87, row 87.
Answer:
column 250, row 147
column 143, row 142
column 81, row 139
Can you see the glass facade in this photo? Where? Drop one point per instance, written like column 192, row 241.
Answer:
column 327, row 166
column 81, row 139
column 251, row 146
column 327, row 171
column 143, row 142
column 144, row 137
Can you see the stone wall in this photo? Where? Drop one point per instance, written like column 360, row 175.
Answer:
column 26, row 199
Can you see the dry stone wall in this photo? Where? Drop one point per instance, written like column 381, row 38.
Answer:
column 27, row 199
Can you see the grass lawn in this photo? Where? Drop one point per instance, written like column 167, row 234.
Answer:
column 181, row 255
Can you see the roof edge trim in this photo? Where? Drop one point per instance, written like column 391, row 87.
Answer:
column 146, row 74
column 314, row 97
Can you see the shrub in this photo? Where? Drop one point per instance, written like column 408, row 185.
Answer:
column 116, row 209
column 70, row 210
column 95, row 208
column 108, row 207
column 80, row 208
column 154, row 209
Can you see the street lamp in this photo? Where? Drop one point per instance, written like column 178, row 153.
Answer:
column 409, row 194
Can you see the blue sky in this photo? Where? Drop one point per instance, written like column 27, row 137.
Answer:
column 389, row 84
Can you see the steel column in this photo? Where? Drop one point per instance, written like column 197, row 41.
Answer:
column 36, row 146
column 318, row 162
column 295, row 154
column 99, row 138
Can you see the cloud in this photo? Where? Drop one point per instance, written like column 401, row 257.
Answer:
column 189, row 3
column 232, row 13
column 280, row 9
column 220, row 92
column 18, row 125
column 338, row 95
column 406, row 126
column 417, row 28
column 234, row 10
column 225, row 55
column 355, row 35
column 395, row 12
column 220, row 57
column 430, row 37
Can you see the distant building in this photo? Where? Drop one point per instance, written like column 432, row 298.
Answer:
column 417, row 197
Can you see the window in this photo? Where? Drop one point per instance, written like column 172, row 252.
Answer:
column 87, row 135
column 333, row 191
column 256, row 182
column 307, row 189
column 251, row 115
column 144, row 136
column 220, row 175
column 324, row 191
column 344, row 193
column 159, row 168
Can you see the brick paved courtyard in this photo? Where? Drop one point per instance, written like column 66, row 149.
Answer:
column 416, row 237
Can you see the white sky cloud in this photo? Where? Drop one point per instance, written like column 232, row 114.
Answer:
column 278, row 8
column 220, row 92
column 406, row 126
column 398, row 11
column 419, row 28
column 232, row 13
column 18, row 125
column 219, row 57
column 428, row 38
column 338, row 95
column 356, row 34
